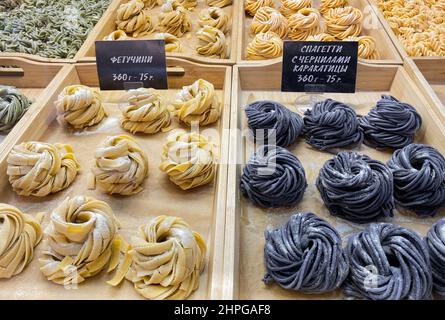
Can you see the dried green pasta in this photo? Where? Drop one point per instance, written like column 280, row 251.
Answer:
column 9, row 4
column 13, row 105
column 49, row 28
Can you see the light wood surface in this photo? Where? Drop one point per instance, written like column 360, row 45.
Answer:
column 371, row 27
column 203, row 208
column 188, row 41
column 246, row 223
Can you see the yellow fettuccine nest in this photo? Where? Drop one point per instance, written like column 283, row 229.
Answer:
column 116, row 35
column 172, row 43
column 326, row 5
column 321, row 37
column 81, row 241
column 306, row 22
column 197, row 103
column 19, row 234
column 151, row 3
column 39, row 169
column 289, row 7
column 80, row 106
column 174, row 18
column 212, row 42
column 164, row 260
column 133, row 18
column 189, row 160
column 267, row 45
column 219, row 3
column 121, row 166
column 214, row 17
column 188, row 4
column 367, row 47
column 344, row 22
column 252, row 6
column 145, row 112
column 269, row 19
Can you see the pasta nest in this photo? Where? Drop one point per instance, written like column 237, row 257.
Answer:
column 80, row 106
column 174, row 19
column 289, row 7
column 116, row 35
column 214, row 17
column 326, row 5
column 13, row 105
column 145, row 112
column 39, row 169
column 188, row 4
column 344, row 22
column 166, row 259
column 367, row 47
column 265, row 45
column 121, row 166
column 269, row 19
column 133, row 18
column 306, row 22
column 81, row 241
column 252, row 6
column 189, row 160
column 219, row 3
column 172, row 43
column 151, row 3
column 19, row 234
column 212, row 42
column 197, row 103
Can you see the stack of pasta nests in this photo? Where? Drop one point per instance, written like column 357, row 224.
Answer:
column 419, row 24
column 334, row 20
column 135, row 19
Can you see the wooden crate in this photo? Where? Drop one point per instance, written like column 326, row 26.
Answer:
column 371, row 27
column 188, row 41
column 433, row 68
column 246, row 223
column 203, row 208
column 31, row 78
column 82, row 49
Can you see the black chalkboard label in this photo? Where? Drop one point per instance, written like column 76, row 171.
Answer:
column 131, row 64
column 316, row 66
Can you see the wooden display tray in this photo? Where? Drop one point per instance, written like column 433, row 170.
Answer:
column 387, row 51
column 79, row 54
column 188, row 41
column 431, row 67
column 203, row 207
column 246, row 223
column 31, row 78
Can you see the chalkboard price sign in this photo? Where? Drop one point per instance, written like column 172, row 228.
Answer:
column 131, row 64
column 316, row 66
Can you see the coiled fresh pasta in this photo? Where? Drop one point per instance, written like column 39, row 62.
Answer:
column 10, row 4
column 39, row 169
column 212, row 42
column 19, row 234
column 151, row 3
column 367, row 48
column 304, row 23
column 120, row 166
column 197, row 103
column 145, row 112
column 188, row 4
column 81, row 239
column 289, row 7
column 252, row 6
column 13, row 105
column 116, row 35
column 214, row 17
column 435, row 241
column 172, row 43
column 174, row 19
column 269, row 19
column 321, row 37
column 265, row 45
column 344, row 22
column 133, row 18
column 326, row 5
column 188, row 159
column 282, row 185
column 219, row 3
column 164, row 260
column 50, row 28
column 80, row 106
column 305, row 254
